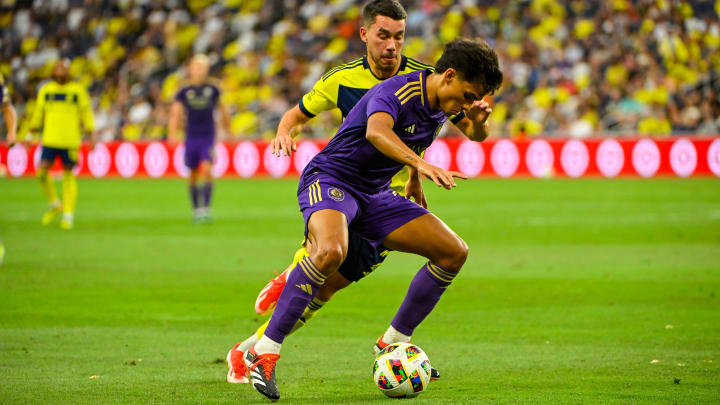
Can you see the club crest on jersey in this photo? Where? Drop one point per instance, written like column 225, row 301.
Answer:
column 336, row 194
column 207, row 91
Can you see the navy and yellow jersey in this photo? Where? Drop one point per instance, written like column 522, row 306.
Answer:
column 343, row 86
column 63, row 111
column 4, row 94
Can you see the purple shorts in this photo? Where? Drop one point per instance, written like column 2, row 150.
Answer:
column 372, row 216
column 197, row 152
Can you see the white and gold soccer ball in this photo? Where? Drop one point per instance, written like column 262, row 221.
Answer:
column 401, row 370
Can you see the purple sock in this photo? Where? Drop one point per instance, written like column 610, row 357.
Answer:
column 207, row 192
column 195, row 195
column 425, row 290
column 302, row 285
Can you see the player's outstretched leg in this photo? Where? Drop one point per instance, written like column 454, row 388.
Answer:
column 46, row 183
column 195, row 197
column 69, row 193
column 268, row 296
column 327, row 232
column 427, row 236
column 206, row 190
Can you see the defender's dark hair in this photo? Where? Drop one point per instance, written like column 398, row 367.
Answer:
column 474, row 60
column 389, row 8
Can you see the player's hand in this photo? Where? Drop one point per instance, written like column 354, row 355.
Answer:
column 414, row 190
column 283, row 145
column 441, row 177
column 11, row 140
column 479, row 112
column 171, row 141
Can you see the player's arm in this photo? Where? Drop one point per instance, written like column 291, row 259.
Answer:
column 224, row 118
column 322, row 97
column 380, row 133
column 474, row 125
column 88, row 119
column 37, row 118
column 290, row 125
column 174, row 121
column 10, row 117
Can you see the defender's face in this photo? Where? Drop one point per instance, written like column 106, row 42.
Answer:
column 198, row 70
column 456, row 94
column 384, row 39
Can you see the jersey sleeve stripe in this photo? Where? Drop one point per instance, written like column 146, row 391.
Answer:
column 348, row 65
column 304, row 109
column 340, row 67
column 408, row 84
column 419, row 64
column 409, row 90
column 343, row 68
column 416, row 93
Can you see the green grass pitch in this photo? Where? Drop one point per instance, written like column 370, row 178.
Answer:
column 575, row 292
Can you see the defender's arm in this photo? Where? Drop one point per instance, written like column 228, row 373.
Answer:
column 174, row 121
column 290, row 125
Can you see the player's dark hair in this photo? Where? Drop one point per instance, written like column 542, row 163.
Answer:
column 474, row 60
column 388, row 8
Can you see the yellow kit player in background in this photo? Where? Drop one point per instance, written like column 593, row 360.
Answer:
column 63, row 113
column 10, row 118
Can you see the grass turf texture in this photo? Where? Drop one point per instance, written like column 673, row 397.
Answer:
column 565, row 298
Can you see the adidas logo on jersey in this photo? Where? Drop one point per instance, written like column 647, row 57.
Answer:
column 410, row 129
column 305, row 287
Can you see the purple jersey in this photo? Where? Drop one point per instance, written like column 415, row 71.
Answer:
column 199, row 102
column 352, row 158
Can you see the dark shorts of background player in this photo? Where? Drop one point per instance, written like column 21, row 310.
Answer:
column 69, row 157
column 362, row 258
column 198, row 151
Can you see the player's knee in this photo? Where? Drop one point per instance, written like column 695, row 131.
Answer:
column 454, row 256
column 328, row 257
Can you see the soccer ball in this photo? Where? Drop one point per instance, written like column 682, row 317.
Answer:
column 401, row 370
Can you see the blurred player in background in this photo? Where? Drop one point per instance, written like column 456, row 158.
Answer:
column 63, row 113
column 198, row 98
column 10, row 118
column 383, row 32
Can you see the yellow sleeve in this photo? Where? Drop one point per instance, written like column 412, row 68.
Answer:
column 86, row 109
column 322, row 97
column 37, row 117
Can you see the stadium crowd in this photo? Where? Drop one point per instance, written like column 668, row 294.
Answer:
column 573, row 68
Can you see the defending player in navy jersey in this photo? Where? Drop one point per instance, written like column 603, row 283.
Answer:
column 198, row 99
column 346, row 186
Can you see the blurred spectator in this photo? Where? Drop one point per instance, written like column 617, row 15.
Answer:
column 573, row 68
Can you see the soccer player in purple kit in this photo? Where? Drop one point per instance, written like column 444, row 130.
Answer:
column 199, row 99
column 346, row 186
